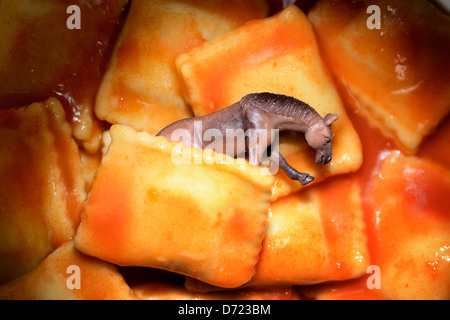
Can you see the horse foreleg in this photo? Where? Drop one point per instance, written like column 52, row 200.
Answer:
column 256, row 148
column 293, row 174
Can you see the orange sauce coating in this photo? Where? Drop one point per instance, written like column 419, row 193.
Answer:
column 216, row 75
column 422, row 192
column 69, row 68
column 80, row 77
column 108, row 228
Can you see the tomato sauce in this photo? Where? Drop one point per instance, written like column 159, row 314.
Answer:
column 78, row 78
column 422, row 192
column 47, row 59
column 213, row 77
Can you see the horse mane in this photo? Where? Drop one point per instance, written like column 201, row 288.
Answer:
column 281, row 105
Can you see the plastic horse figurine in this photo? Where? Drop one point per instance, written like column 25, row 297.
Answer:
column 254, row 114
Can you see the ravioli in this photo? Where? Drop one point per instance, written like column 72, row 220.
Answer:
column 41, row 57
column 141, row 87
column 159, row 213
column 203, row 220
column 41, row 186
column 278, row 54
column 67, row 274
column 398, row 76
column 409, row 207
column 315, row 236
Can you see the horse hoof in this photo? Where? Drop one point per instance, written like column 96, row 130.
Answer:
column 306, row 179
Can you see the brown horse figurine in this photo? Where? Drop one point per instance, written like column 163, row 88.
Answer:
column 254, row 114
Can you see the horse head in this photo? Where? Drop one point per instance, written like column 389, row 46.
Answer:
column 319, row 137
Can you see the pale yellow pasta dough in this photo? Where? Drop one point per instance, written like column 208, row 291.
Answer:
column 279, row 55
column 314, row 236
column 41, row 185
column 398, row 76
column 141, row 87
column 146, row 209
column 67, row 274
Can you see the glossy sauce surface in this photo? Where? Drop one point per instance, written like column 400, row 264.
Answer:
column 425, row 202
column 217, row 76
column 397, row 73
column 47, row 59
column 426, row 199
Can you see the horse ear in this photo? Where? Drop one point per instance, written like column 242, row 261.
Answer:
column 330, row 118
